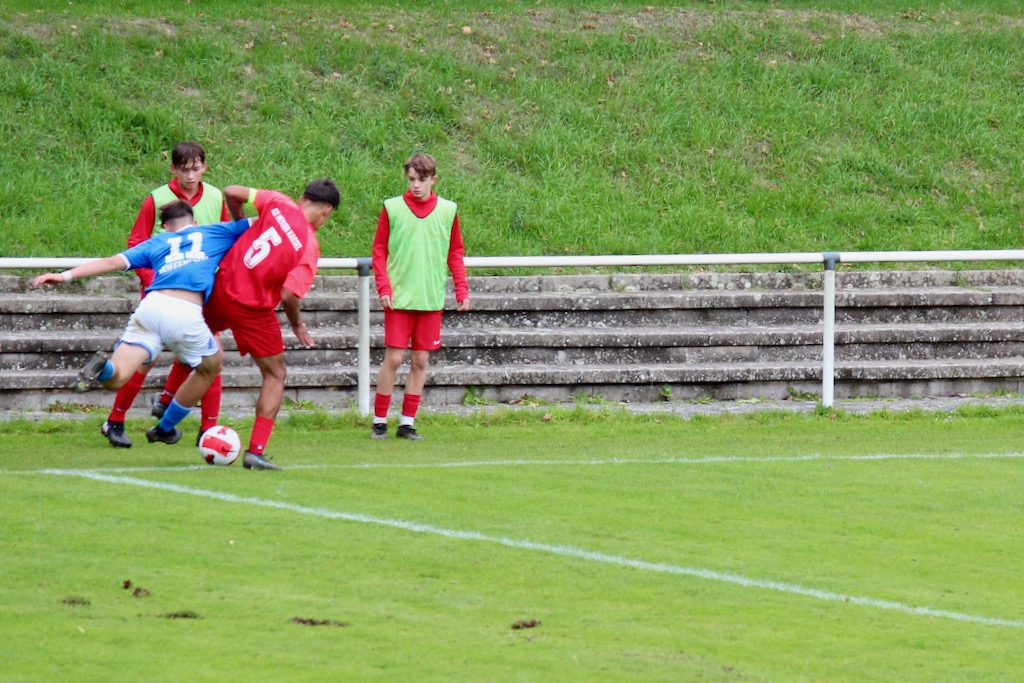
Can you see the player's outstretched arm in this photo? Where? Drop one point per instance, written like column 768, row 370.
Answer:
column 98, row 266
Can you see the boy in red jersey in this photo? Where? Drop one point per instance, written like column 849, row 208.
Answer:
column 254, row 278
column 418, row 242
column 188, row 164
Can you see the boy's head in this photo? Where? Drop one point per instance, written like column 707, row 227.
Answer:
column 176, row 215
column 421, row 174
column 319, row 199
column 188, row 164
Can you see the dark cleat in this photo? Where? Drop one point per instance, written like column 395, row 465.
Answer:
column 251, row 461
column 157, row 434
column 114, row 431
column 379, row 431
column 407, row 432
column 91, row 372
column 158, row 409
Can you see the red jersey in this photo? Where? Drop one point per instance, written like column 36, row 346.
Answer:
column 254, row 270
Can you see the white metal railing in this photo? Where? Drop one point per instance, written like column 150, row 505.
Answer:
column 827, row 259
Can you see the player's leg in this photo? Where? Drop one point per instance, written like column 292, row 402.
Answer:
column 183, row 330
column 113, row 426
column 425, row 338
column 185, row 399
column 127, row 358
column 267, row 405
column 393, row 358
column 418, row 361
column 398, row 326
column 177, row 375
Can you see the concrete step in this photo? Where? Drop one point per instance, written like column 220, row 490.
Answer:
column 65, row 350
column 336, row 388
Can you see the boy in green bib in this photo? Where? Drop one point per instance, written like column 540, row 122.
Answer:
column 418, row 242
column 188, row 164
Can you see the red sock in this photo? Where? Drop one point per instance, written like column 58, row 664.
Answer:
column 410, row 404
column 125, row 397
column 261, row 430
column 175, row 378
column 381, row 404
column 210, row 406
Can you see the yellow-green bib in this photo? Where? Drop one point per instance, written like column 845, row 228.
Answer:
column 418, row 254
column 207, row 211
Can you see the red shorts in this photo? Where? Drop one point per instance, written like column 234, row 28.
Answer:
column 257, row 330
column 422, row 328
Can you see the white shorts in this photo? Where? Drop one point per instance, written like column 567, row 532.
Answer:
column 162, row 321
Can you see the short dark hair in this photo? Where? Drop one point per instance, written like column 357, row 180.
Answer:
column 323, row 190
column 186, row 152
column 174, row 210
column 424, row 165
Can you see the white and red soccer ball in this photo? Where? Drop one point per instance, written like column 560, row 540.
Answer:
column 220, row 445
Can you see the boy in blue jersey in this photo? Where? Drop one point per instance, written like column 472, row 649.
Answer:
column 185, row 259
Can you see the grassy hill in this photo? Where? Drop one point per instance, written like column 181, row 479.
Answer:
column 625, row 127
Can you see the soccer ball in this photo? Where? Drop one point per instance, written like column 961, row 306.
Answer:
column 220, row 445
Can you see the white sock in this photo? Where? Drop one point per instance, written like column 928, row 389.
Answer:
column 379, row 420
column 406, row 421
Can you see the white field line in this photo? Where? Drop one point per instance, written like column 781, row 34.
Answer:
column 564, row 463
column 561, row 550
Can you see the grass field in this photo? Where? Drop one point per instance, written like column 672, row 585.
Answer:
column 560, row 127
column 523, row 547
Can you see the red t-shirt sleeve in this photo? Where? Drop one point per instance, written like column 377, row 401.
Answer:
column 456, row 252
column 300, row 278
column 142, row 231
column 380, row 255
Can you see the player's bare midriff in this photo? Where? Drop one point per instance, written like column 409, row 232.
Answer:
column 184, row 294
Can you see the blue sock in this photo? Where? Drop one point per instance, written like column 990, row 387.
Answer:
column 108, row 372
column 174, row 414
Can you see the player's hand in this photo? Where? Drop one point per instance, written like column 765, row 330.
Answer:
column 54, row 278
column 464, row 305
column 302, row 334
column 387, row 302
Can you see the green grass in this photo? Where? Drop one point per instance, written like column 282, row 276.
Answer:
column 621, row 127
column 419, row 555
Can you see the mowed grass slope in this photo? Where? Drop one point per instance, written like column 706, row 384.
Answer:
column 766, row 548
column 560, row 129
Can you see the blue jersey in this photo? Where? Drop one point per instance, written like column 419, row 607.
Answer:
column 186, row 259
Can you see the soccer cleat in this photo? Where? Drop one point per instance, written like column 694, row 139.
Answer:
column 91, row 372
column 407, row 432
column 379, row 431
column 251, row 461
column 158, row 409
column 114, row 431
column 157, row 434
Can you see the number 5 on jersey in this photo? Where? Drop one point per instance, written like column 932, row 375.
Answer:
column 260, row 249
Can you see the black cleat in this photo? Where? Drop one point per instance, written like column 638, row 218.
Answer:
column 407, row 432
column 114, row 431
column 158, row 409
column 91, row 372
column 379, row 430
column 157, row 434
column 251, row 461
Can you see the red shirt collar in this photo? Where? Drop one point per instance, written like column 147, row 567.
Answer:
column 420, row 209
column 180, row 194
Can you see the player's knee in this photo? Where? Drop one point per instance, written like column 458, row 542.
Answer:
column 419, row 361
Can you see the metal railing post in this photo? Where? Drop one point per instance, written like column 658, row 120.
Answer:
column 363, row 361
column 828, row 333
